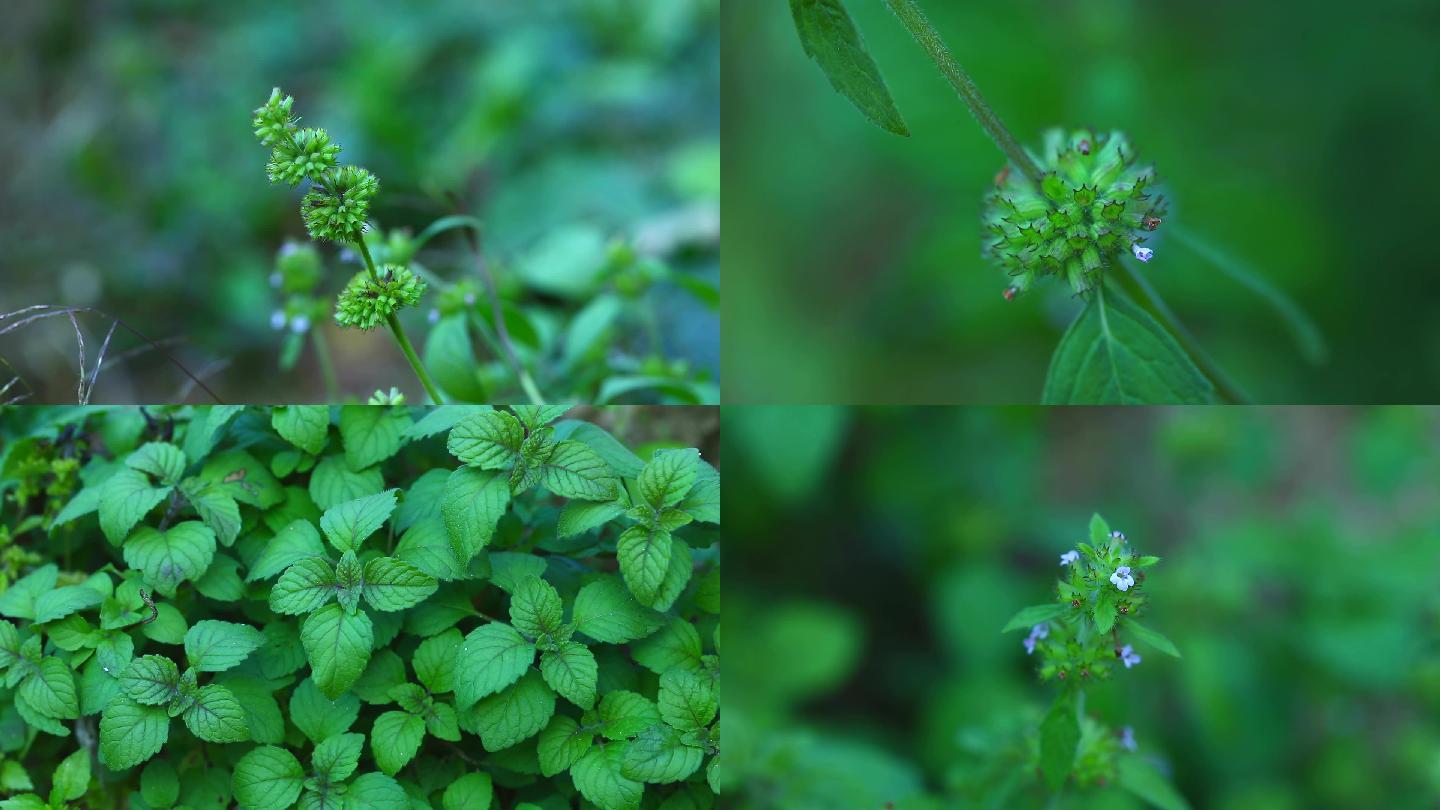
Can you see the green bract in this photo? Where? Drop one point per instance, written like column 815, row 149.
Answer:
column 336, row 207
column 1090, row 208
column 307, row 155
column 325, row 608
column 365, row 303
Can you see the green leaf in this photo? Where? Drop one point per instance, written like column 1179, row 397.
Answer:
column 305, row 426
column 319, row 717
column 297, row 541
column 515, row 714
column 434, row 661
column 626, row 714
column 131, row 733
column 677, row 576
column 62, row 602
column 396, row 739
column 50, row 690
column 9, row 644
column 169, row 626
column 535, row 607
column 492, row 657
column 474, row 501
column 164, row 461
column 581, row 516
column 170, row 557
column 1115, row 353
column 338, row 646
column 262, row 712
column 644, row 556
column 598, row 777
column 221, row 581
column 473, row 791
column 20, row 600
column 336, row 757
column 450, row 359
column 347, row 525
column 159, row 784
column 152, row 680
column 703, row 501
column 125, row 497
column 393, row 584
column 575, row 471
column 489, row 440
column 72, row 778
column 331, row 482
column 572, row 672
column 623, row 462
column 216, row 716
column 688, row 701
column 1099, row 532
column 348, row 577
column 1105, row 609
column 305, row 587
column 267, row 778
column 668, row 477
column 238, row 474
column 371, row 433
column 1033, row 615
column 1138, row 777
column 658, row 755
column 677, row 644
column 829, row 37
column 537, row 416
column 1151, row 638
column 376, row 791
column 215, row 646
column 561, row 743
column 605, row 611
column 1059, row 737
column 216, row 509
column 426, row 545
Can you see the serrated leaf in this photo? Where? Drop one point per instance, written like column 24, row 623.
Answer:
column 687, row 701
column 170, row 557
column 125, row 498
column 305, row 426
column 677, row 644
column 516, row 713
column 131, row 733
column 215, row 646
column 644, row 555
column 152, row 680
column 20, row 599
column 573, row 470
column 262, row 712
column 1104, row 610
column 577, row 517
column 268, row 777
column 216, row 716
column 537, row 416
column 625, row 714
column 319, row 717
column 427, row 546
column 1059, row 737
column 396, row 739
column 658, row 756
column 50, row 690
column 1099, row 531
column 677, row 575
column 668, row 477
column 492, row 657
column 561, row 743
column 1033, row 615
column 828, row 36
column 162, row 460
column 572, row 672
column 297, row 541
column 159, row 784
column 1115, row 353
column 376, row 791
column 598, row 777
column 221, row 581
column 348, row 579
column 489, row 440
column 474, row 501
column 216, row 509
column 1151, row 638
column 304, row 587
column 332, row 482
column 71, row 779
column 393, row 584
column 347, row 525
column 606, row 611
column 336, row 757
column 535, row 607
column 238, row 474
column 473, row 791
column 338, row 647
column 434, row 661
column 62, row 602
column 371, row 433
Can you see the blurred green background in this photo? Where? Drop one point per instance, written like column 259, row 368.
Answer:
column 876, row 554
column 133, row 182
column 1298, row 137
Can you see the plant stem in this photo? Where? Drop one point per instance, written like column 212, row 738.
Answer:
column 399, row 332
column 1148, row 299
column 527, row 383
column 919, row 27
column 327, row 366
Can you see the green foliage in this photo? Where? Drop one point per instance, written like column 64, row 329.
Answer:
column 367, row 302
column 829, row 37
column 316, row 658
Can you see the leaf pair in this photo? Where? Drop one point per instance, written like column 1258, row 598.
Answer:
column 524, row 446
column 671, row 751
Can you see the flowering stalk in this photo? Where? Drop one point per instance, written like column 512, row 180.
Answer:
column 1088, row 634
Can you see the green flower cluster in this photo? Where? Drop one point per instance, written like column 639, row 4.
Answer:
column 1090, row 207
column 336, row 208
column 367, row 302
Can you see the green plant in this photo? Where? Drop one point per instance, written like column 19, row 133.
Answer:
column 1081, row 209
column 1085, row 636
column 313, row 593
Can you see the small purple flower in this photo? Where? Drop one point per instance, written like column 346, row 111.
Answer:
column 277, row 319
column 1127, row 738
column 1122, row 578
column 289, row 248
column 1069, row 557
column 299, row 324
column 1144, row 254
column 1037, row 632
column 1128, row 656
column 1117, row 535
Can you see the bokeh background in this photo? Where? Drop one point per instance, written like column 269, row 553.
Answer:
column 133, row 184
column 1297, row 137
column 876, row 554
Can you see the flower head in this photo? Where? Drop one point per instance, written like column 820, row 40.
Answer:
column 391, row 397
column 306, row 156
column 1128, row 656
column 1090, row 205
column 1122, row 579
column 1127, row 738
column 273, row 121
column 1069, row 557
column 336, row 208
column 366, row 302
column 1038, row 632
column 1144, row 254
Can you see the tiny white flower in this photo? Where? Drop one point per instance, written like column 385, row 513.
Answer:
column 289, row 248
column 1117, row 535
column 1037, row 632
column 1122, row 579
column 1128, row 656
column 277, row 319
column 1144, row 254
column 469, row 299
column 1069, row 557
column 299, row 324
column 1127, row 738
column 434, row 316
column 349, row 256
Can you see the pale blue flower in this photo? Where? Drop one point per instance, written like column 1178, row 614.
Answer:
column 299, row 324
column 1122, row 578
column 277, row 319
column 1037, row 632
column 1127, row 738
column 1144, row 254
column 1069, row 557
column 1128, row 656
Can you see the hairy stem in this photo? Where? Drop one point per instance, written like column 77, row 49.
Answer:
column 327, row 366
column 399, row 332
column 919, row 27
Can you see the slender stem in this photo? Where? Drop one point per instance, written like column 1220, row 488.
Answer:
column 527, row 383
column 399, row 332
column 1148, row 299
column 919, row 27
column 327, row 366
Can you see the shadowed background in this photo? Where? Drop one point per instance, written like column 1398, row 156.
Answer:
column 133, row 182
column 1298, row 137
column 876, row 554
